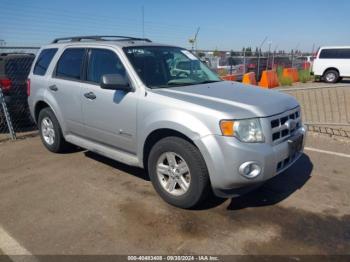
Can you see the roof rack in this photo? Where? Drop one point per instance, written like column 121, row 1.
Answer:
column 100, row 38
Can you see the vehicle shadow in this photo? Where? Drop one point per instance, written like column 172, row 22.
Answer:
column 278, row 188
column 135, row 171
column 272, row 192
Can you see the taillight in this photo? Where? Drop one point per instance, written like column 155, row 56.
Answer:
column 5, row 84
column 28, row 87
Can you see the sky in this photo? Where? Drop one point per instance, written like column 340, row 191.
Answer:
column 224, row 24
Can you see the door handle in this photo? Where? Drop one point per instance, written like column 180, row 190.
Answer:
column 90, row 95
column 53, row 88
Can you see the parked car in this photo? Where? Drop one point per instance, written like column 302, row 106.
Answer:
column 332, row 63
column 14, row 70
column 303, row 62
column 194, row 133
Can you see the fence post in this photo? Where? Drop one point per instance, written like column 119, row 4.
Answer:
column 7, row 115
column 244, row 61
column 258, row 72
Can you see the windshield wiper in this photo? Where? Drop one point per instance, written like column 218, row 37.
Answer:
column 208, row 82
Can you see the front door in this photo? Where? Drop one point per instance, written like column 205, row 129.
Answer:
column 109, row 115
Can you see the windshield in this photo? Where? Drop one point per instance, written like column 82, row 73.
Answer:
column 162, row 67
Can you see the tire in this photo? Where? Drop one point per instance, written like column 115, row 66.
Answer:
column 331, row 76
column 58, row 144
column 197, row 177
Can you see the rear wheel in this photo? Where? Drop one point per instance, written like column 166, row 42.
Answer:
column 178, row 172
column 331, row 76
column 50, row 131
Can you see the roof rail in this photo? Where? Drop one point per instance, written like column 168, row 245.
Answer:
column 100, row 38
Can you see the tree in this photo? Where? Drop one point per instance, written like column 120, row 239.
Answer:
column 248, row 51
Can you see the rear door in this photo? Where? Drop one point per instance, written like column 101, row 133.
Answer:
column 344, row 61
column 64, row 90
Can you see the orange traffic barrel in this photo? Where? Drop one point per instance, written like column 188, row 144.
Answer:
column 292, row 73
column 269, row 79
column 249, row 79
column 229, row 77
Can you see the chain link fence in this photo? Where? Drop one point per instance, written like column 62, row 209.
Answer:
column 15, row 64
column 239, row 63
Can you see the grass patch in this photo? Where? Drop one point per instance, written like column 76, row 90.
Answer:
column 285, row 81
column 304, row 76
column 279, row 71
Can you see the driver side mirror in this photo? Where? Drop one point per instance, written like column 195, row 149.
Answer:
column 115, row 82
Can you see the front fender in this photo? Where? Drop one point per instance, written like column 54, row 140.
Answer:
column 176, row 120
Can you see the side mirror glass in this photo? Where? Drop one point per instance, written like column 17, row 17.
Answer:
column 115, row 82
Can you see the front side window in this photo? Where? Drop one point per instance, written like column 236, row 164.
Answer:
column 103, row 62
column 163, row 67
column 43, row 61
column 70, row 63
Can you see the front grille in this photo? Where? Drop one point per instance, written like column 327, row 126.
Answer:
column 285, row 124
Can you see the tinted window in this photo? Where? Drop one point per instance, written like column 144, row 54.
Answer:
column 70, row 63
column 344, row 53
column 44, row 61
column 335, row 53
column 103, row 62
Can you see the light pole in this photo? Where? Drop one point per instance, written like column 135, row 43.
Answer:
column 259, row 51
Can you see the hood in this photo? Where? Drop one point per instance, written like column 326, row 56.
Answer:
column 235, row 99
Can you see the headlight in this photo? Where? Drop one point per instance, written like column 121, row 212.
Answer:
column 248, row 130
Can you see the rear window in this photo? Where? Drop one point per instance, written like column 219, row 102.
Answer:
column 343, row 53
column 70, row 63
column 44, row 61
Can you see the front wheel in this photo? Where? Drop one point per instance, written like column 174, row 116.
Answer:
column 178, row 172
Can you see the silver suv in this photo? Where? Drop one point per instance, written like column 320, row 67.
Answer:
column 160, row 108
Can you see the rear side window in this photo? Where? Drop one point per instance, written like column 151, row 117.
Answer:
column 43, row 61
column 103, row 62
column 70, row 63
column 343, row 53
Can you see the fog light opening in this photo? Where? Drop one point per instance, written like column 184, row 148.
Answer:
column 250, row 169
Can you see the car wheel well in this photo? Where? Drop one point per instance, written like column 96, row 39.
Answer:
column 38, row 107
column 330, row 68
column 157, row 135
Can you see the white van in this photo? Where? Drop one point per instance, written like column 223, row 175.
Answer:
column 332, row 63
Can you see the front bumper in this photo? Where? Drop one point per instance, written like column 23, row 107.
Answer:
column 224, row 156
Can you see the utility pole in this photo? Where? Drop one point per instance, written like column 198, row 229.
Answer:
column 193, row 41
